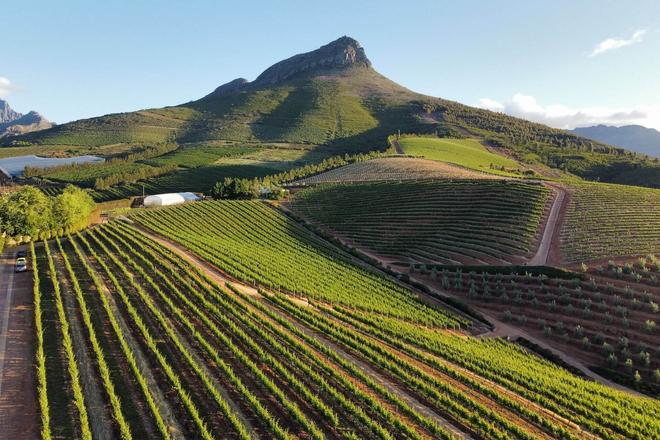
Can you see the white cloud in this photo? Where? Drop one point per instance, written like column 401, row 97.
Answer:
column 617, row 43
column 490, row 104
column 5, row 86
column 560, row 116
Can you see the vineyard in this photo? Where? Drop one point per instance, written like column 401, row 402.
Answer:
column 393, row 168
column 480, row 386
column 134, row 341
column 255, row 244
column 436, row 221
column 608, row 319
column 605, row 221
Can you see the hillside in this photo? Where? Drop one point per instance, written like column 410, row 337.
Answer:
column 450, row 222
column 633, row 137
column 334, row 97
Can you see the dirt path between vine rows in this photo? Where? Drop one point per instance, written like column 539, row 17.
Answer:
column 164, row 408
column 551, row 228
column 100, row 419
column 18, row 392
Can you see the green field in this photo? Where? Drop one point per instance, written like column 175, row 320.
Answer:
column 447, row 221
column 468, row 153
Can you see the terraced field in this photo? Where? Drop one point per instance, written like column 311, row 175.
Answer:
column 393, row 168
column 433, row 221
column 605, row 221
column 468, row 153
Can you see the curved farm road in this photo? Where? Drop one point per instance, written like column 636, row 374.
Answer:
column 550, row 231
column 18, row 404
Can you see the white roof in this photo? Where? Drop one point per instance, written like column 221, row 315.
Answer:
column 170, row 199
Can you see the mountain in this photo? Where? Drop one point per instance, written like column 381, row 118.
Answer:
column 633, row 137
column 333, row 99
column 14, row 123
column 7, row 114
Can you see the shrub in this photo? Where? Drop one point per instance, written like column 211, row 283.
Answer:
column 649, row 325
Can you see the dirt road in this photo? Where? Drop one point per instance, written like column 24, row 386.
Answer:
column 551, row 230
column 397, row 147
column 18, row 405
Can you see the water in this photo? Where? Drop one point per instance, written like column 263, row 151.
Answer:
column 14, row 166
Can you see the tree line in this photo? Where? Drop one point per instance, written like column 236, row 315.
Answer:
column 271, row 186
column 28, row 213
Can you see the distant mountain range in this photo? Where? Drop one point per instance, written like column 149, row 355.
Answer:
column 15, row 123
column 633, row 137
column 333, row 100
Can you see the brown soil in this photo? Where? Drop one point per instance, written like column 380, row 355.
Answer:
column 19, row 417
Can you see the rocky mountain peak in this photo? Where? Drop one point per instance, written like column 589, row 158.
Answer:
column 13, row 123
column 7, row 114
column 343, row 53
column 340, row 54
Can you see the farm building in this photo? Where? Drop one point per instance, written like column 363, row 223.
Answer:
column 170, row 199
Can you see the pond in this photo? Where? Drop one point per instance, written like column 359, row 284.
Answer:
column 14, row 166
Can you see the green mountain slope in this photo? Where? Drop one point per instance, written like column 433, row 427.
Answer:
column 333, row 97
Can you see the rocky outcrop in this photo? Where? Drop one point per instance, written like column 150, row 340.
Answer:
column 7, row 114
column 340, row 54
column 20, row 123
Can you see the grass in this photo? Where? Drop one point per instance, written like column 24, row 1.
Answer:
column 468, row 153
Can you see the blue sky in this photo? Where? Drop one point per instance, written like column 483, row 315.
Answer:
column 76, row 59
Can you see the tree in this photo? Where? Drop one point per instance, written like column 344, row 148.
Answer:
column 25, row 212
column 73, row 207
column 234, row 188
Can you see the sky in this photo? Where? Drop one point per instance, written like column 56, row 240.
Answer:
column 563, row 63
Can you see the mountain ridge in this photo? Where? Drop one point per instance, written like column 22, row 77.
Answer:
column 332, row 97
column 638, row 138
column 343, row 53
